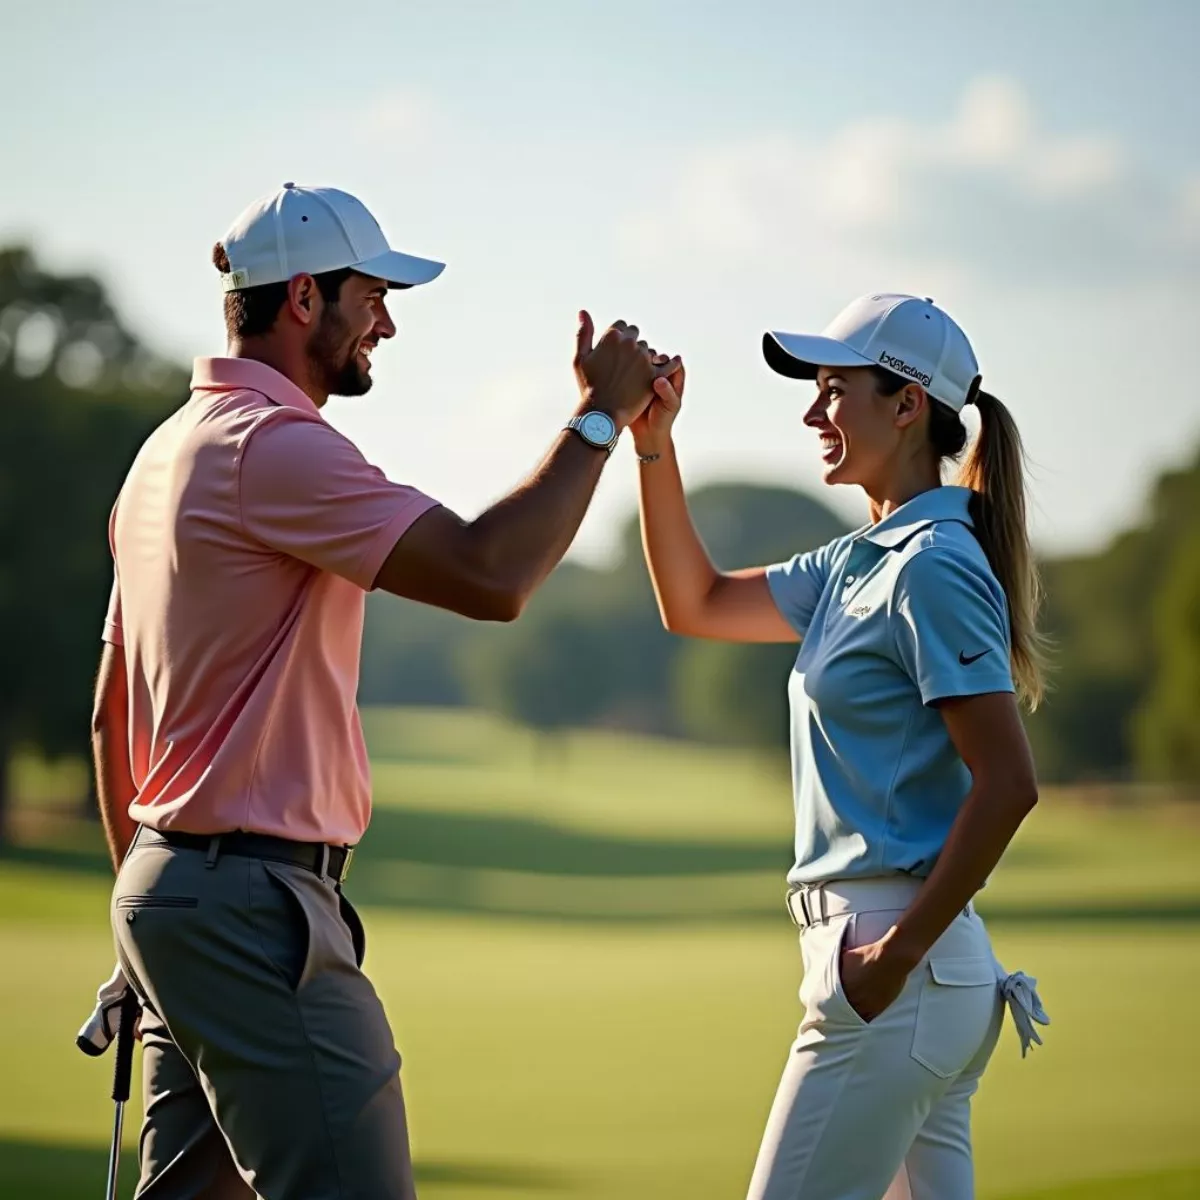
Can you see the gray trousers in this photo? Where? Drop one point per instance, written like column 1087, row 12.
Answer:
column 269, row 1067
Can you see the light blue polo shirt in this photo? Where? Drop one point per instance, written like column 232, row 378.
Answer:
column 892, row 618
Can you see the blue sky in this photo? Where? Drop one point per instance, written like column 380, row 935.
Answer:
column 708, row 170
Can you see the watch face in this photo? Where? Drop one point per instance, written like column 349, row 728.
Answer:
column 597, row 428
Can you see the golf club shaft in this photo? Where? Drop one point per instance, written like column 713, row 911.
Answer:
column 114, row 1154
column 122, row 1073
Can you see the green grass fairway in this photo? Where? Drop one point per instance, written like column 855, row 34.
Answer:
column 584, row 952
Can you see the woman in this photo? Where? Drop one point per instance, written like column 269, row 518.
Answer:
column 911, row 768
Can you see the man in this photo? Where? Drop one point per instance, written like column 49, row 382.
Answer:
column 226, row 734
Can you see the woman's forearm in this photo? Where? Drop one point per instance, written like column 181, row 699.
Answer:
column 988, row 734
column 680, row 569
column 986, row 824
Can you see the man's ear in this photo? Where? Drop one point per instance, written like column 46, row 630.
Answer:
column 911, row 401
column 302, row 298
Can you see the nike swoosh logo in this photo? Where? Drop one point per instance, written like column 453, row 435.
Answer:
column 968, row 660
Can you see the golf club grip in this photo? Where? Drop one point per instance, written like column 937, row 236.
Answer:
column 123, row 1067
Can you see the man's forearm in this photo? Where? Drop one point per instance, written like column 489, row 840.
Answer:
column 524, row 536
column 488, row 568
column 114, row 791
column 115, row 788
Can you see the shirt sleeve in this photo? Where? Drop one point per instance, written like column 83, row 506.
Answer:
column 306, row 490
column 951, row 627
column 796, row 585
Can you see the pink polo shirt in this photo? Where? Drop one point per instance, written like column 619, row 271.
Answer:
column 245, row 538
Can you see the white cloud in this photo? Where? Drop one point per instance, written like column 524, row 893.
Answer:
column 403, row 115
column 994, row 124
column 987, row 193
column 1188, row 215
column 1078, row 168
column 396, row 119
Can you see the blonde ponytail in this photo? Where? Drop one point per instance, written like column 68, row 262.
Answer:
column 994, row 471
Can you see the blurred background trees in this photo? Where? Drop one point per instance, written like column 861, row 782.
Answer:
column 78, row 393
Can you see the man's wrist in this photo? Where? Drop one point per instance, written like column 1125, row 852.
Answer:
column 596, row 428
column 596, row 402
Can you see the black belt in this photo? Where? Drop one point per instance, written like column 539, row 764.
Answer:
column 323, row 860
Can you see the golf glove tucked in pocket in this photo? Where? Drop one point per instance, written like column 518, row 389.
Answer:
column 1020, row 994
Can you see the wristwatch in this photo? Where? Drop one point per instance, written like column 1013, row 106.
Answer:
column 596, row 428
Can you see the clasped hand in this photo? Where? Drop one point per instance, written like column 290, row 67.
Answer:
column 623, row 375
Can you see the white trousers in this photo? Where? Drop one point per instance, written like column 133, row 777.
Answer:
column 882, row 1111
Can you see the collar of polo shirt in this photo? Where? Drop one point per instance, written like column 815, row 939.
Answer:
column 248, row 374
column 945, row 503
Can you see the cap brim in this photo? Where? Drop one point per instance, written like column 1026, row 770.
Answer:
column 401, row 270
column 800, row 356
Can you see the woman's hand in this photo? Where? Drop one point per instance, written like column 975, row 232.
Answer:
column 874, row 975
column 652, row 430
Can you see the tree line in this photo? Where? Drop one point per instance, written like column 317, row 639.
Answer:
column 79, row 392
column 1124, row 700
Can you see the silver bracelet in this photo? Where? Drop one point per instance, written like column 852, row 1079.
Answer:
column 648, row 458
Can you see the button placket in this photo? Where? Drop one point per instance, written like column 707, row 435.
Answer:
column 858, row 567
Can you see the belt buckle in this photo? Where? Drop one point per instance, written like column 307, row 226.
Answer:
column 346, row 864
column 800, row 893
column 804, row 893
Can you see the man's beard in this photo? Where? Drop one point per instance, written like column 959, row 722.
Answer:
column 333, row 358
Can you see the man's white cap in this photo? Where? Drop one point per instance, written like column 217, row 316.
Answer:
column 907, row 335
column 310, row 230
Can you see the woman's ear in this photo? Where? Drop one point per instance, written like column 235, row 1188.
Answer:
column 911, row 401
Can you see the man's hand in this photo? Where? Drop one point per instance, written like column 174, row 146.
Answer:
column 100, row 1029
column 874, row 975
column 616, row 375
column 652, row 430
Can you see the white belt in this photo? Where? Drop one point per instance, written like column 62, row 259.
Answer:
column 814, row 903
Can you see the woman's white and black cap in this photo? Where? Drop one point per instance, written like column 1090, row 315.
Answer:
column 310, row 230
column 907, row 335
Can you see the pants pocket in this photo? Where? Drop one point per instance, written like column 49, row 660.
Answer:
column 955, row 1008
column 149, row 900
column 358, row 935
column 821, row 991
column 836, row 991
column 281, row 921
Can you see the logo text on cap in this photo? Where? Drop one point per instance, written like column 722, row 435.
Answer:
column 902, row 368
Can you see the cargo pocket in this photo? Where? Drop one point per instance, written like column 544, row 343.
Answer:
column 281, row 922
column 954, row 1013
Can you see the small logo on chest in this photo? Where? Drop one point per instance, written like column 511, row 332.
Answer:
column 860, row 611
